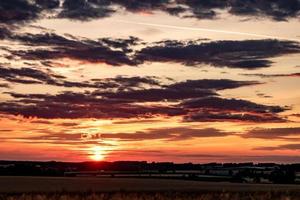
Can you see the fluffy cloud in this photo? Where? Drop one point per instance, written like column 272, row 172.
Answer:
column 274, row 133
column 16, row 11
column 105, row 50
column 35, row 76
column 198, row 103
column 247, row 54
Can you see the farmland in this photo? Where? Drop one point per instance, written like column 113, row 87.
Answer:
column 45, row 188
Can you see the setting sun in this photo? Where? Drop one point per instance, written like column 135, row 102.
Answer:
column 97, row 153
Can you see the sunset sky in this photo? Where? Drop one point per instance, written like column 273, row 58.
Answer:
column 154, row 80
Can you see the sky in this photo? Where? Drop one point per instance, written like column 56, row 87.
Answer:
column 152, row 80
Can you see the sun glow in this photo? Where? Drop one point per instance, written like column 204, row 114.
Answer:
column 97, row 153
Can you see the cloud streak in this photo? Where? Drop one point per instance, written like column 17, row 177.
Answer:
column 274, row 133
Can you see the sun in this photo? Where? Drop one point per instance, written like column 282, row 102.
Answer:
column 97, row 153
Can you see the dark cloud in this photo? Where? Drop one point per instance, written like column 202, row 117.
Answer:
column 296, row 115
column 263, row 95
column 52, row 46
column 204, row 9
column 34, row 76
column 273, row 75
column 90, row 9
column 69, row 41
column 145, row 98
column 280, row 147
column 85, row 10
column 215, row 109
column 123, row 83
column 177, row 133
column 27, row 76
column 40, row 121
column 247, row 54
column 156, row 95
column 4, row 85
column 213, row 104
column 178, row 91
column 48, row 4
column 211, row 84
column 52, row 137
column 92, row 54
column 81, row 105
column 273, row 133
column 277, row 10
column 211, row 109
column 146, row 5
column 17, row 11
column 231, row 117
column 4, row 32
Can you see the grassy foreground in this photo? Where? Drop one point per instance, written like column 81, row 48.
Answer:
column 88, row 188
column 154, row 196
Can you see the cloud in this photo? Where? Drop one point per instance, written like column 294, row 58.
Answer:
column 81, row 105
column 178, row 91
column 247, row 54
column 212, row 84
column 95, row 9
column 198, row 157
column 34, row 76
column 295, row 115
column 177, row 133
column 85, row 10
column 4, row 85
column 263, row 95
column 273, row 133
column 212, row 109
column 50, row 46
column 27, row 76
column 277, row 10
column 4, row 32
column 213, row 104
column 174, row 134
column 19, row 11
column 280, row 147
column 52, row 137
column 156, row 95
column 232, row 117
column 132, row 98
column 273, row 75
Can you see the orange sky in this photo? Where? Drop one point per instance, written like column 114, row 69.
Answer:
column 187, row 89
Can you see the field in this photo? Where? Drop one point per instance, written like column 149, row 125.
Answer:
column 89, row 188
